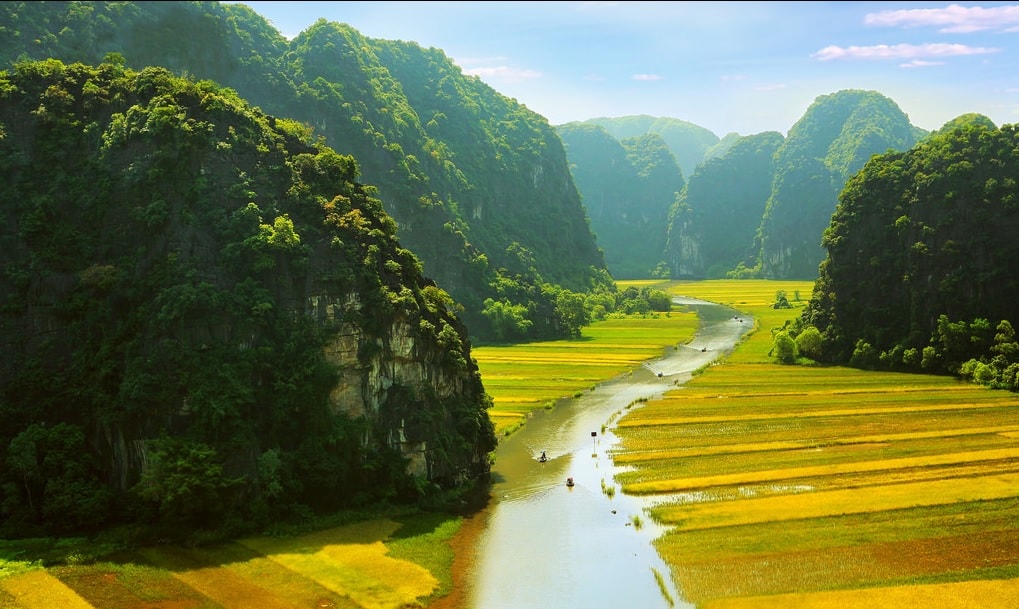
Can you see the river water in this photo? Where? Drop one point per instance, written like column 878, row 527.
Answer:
column 545, row 545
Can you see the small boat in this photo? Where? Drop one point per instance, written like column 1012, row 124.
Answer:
column 542, row 458
column 569, row 482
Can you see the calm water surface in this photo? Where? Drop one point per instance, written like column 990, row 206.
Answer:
column 546, row 545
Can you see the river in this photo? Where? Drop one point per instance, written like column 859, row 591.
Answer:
column 542, row 544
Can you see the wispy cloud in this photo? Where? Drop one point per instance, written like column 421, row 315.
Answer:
column 900, row 51
column 952, row 19
column 504, row 74
column 648, row 77
column 920, row 63
column 778, row 86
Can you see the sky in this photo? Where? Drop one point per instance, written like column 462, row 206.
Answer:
column 743, row 67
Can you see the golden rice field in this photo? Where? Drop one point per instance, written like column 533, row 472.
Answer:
column 528, row 377
column 827, row 487
column 374, row 564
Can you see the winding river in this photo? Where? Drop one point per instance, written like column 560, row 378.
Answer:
column 542, row 544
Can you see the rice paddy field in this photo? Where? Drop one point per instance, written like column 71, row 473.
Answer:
column 826, row 487
column 781, row 486
column 380, row 563
column 527, row 377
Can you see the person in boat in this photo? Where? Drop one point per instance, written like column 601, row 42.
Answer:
column 542, row 458
column 569, row 482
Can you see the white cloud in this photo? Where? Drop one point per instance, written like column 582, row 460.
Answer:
column 772, row 87
column 648, row 77
column 503, row 74
column 900, row 51
column 952, row 19
column 920, row 63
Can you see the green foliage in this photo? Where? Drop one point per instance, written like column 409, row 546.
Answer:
column 191, row 259
column 50, row 483
column 834, row 139
column 909, row 274
column 785, row 349
column 809, row 342
column 186, row 481
column 509, row 321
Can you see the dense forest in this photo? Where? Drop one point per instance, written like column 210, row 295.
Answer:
column 207, row 321
column 470, row 176
column 918, row 274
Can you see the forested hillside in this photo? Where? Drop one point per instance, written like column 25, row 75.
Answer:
column 752, row 206
column 711, row 229
column 919, row 272
column 207, row 321
column 628, row 187
column 836, row 136
column 689, row 143
column 479, row 186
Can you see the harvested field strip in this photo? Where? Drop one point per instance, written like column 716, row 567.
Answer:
column 748, row 377
column 40, row 590
column 879, row 565
column 637, row 457
column 818, row 432
column 709, row 393
column 841, row 412
column 958, row 595
column 822, row 534
column 129, row 583
column 831, row 469
column 358, row 567
column 829, row 503
column 266, row 573
column 794, row 461
column 229, row 589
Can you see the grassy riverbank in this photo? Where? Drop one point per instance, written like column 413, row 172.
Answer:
column 796, row 486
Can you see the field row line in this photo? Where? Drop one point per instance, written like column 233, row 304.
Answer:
column 637, row 418
column 833, row 469
column 642, row 456
column 986, row 593
column 822, row 504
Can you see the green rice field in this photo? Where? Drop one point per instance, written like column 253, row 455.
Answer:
column 527, row 377
column 827, row 487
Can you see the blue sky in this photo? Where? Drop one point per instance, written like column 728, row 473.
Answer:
column 742, row 67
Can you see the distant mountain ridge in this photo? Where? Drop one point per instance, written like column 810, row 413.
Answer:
column 756, row 205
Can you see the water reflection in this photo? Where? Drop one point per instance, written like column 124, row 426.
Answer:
column 545, row 544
